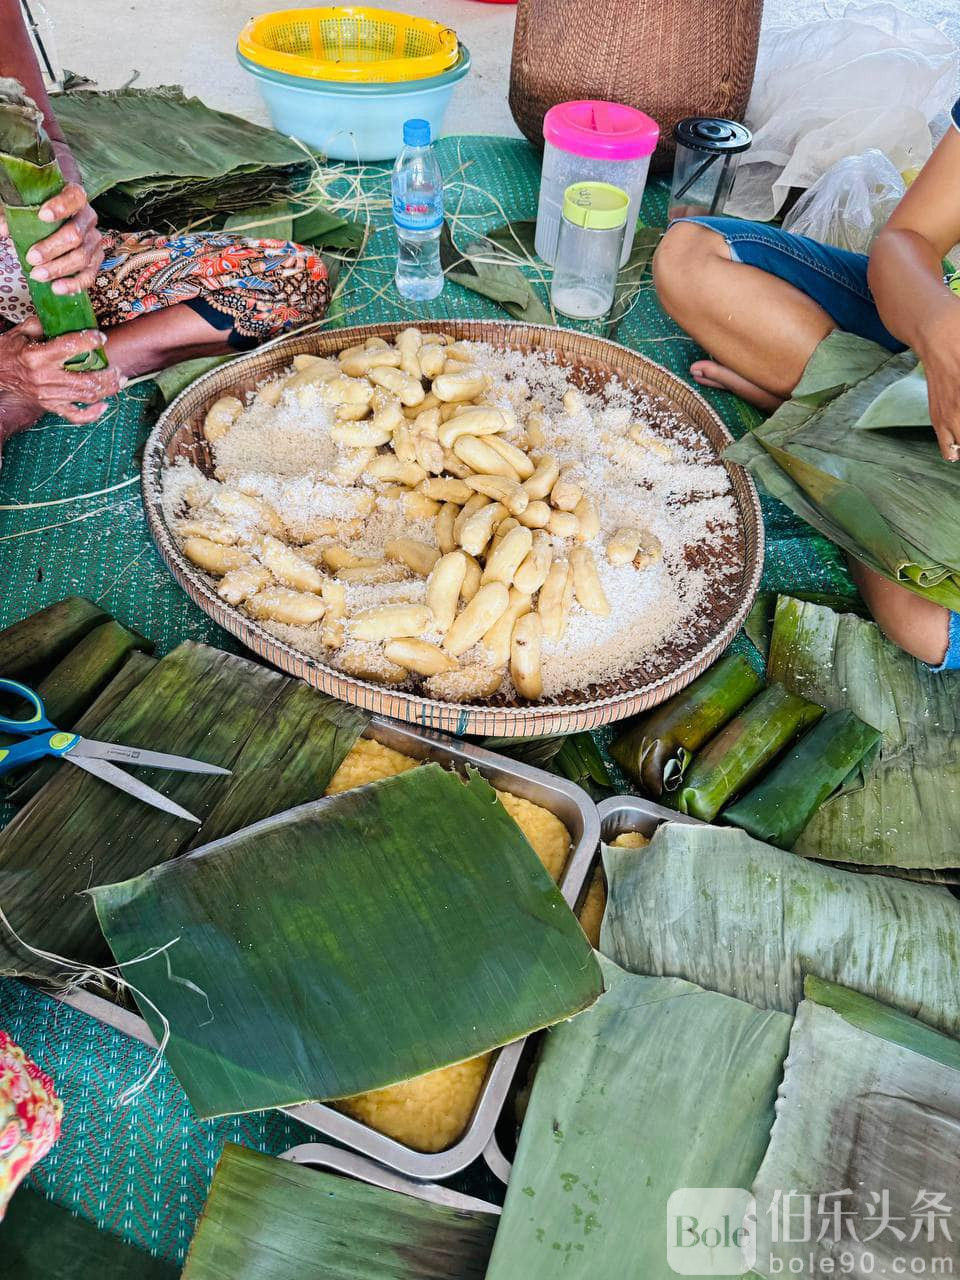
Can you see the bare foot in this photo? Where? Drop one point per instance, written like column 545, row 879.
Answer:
column 16, row 414
column 710, row 374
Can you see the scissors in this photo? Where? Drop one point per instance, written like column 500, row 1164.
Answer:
column 44, row 739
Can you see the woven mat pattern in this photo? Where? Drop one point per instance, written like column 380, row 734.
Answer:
column 71, row 522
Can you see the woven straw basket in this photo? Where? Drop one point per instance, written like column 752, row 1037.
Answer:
column 669, row 58
column 591, row 361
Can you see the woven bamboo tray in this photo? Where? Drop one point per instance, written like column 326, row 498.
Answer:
column 178, row 433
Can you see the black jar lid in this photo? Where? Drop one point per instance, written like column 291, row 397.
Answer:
column 712, row 133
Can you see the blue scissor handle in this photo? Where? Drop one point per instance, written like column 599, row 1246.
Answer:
column 40, row 737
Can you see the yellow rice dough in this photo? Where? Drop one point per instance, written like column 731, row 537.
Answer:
column 430, row 1112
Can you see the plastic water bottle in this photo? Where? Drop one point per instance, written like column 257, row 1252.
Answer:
column 418, row 215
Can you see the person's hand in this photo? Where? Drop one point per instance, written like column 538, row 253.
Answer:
column 70, row 258
column 941, row 363
column 33, row 369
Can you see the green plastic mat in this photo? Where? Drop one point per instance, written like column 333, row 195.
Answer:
column 71, row 522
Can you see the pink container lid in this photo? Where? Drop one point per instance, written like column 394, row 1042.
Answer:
column 602, row 130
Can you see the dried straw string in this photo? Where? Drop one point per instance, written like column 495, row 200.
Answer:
column 74, row 976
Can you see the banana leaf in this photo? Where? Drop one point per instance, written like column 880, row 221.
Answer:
column 887, row 497
column 268, row 1219
column 907, row 813
column 36, row 643
column 29, row 176
column 350, row 944
column 742, row 750
column 868, row 1117
column 718, row 908
column 133, row 671
column 782, row 803
column 500, row 282
column 656, row 749
column 661, row 1085
column 40, row 1240
column 155, row 151
column 78, row 831
column 87, row 669
column 759, row 621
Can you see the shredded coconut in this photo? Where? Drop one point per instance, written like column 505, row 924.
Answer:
column 665, row 477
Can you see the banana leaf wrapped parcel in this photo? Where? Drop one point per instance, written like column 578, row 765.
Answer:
column 742, row 750
column 781, row 804
column 656, row 749
column 853, row 453
column 29, row 176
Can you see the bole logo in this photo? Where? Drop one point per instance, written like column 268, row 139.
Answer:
column 711, row 1231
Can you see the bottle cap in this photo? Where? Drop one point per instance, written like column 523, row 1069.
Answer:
column 712, row 133
column 601, row 130
column 416, row 133
column 598, row 206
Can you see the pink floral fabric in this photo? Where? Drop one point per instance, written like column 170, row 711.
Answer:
column 30, row 1116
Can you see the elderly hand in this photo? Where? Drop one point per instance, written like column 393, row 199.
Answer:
column 33, row 370
column 70, row 258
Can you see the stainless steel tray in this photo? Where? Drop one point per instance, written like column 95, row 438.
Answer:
column 618, row 814
column 634, row 813
column 320, row 1155
column 575, row 810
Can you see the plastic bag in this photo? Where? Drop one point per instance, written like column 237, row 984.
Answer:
column 873, row 78
column 850, row 204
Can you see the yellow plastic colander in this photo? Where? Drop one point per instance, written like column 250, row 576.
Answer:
column 358, row 45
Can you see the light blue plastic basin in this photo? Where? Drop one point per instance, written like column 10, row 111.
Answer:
column 354, row 121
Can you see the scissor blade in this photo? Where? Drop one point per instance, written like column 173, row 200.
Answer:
column 133, row 786
column 92, row 750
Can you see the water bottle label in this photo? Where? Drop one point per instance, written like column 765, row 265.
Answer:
column 417, row 211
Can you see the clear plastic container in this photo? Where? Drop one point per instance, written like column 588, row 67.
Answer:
column 417, row 187
column 592, row 142
column 588, row 249
column 708, row 152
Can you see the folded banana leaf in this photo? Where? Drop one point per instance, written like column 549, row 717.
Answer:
column 155, row 159
column 718, row 908
column 350, row 944
column 268, row 1219
column 78, row 831
column 886, row 496
column 781, row 805
column 656, row 749
column 907, row 813
column 759, row 622
column 87, row 669
column 862, row 1160
column 28, row 782
column 29, row 176
column 742, row 750
column 36, row 643
column 40, row 1240
column 661, row 1085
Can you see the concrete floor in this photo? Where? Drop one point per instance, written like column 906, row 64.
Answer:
column 190, row 42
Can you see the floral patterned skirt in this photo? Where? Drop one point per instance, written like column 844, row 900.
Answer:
column 30, row 1115
column 253, row 288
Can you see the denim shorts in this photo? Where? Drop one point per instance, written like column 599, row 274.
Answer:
column 836, row 280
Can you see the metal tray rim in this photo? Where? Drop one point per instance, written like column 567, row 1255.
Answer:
column 581, row 813
column 321, row 1155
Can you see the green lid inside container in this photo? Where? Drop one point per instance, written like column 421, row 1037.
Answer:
column 595, row 205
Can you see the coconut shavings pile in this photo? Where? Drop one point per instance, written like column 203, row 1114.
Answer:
column 664, row 477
